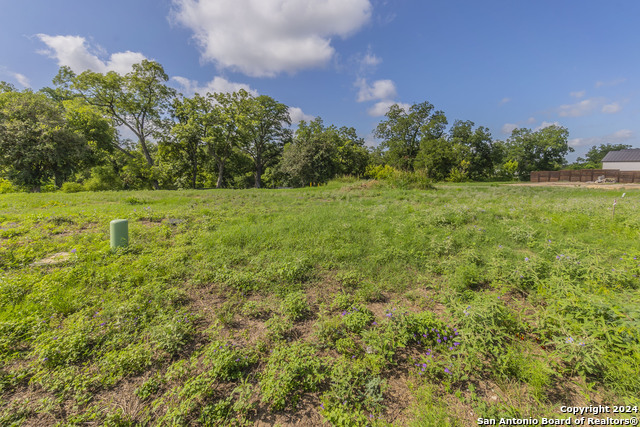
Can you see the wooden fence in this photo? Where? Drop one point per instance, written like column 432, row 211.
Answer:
column 586, row 175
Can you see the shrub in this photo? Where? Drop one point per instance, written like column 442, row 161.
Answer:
column 226, row 361
column 357, row 318
column 353, row 389
column 350, row 279
column 71, row 187
column 173, row 333
column 149, row 387
column 121, row 363
column 379, row 172
column 73, row 343
column 291, row 370
column 6, row 186
column 418, row 180
column 278, row 327
column 468, row 276
column 295, row 306
column 488, row 324
column 342, row 301
column 103, row 178
column 295, row 271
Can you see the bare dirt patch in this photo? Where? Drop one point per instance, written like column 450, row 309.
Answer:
column 604, row 186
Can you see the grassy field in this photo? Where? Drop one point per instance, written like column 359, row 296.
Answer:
column 349, row 304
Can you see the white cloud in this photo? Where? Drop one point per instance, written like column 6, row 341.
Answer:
column 616, row 137
column 578, row 94
column 22, row 79
column 297, row 115
column 380, row 89
column 546, row 125
column 267, row 37
column 581, row 108
column 371, row 60
column 360, row 63
column 508, row 128
column 531, row 120
column 610, row 82
column 217, row 85
column 74, row 52
column 504, row 101
column 612, row 108
column 381, row 108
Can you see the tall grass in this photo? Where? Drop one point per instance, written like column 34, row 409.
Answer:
column 213, row 312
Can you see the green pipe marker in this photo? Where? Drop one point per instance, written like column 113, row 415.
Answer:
column 119, row 229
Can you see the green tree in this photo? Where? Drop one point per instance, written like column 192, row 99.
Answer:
column 36, row 143
column 476, row 148
column 312, row 155
column 7, row 87
column 97, row 130
column 403, row 132
column 184, row 144
column 542, row 150
column 137, row 100
column 352, row 156
column 438, row 157
column 230, row 128
column 264, row 132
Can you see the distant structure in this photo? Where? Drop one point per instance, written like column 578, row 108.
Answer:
column 623, row 160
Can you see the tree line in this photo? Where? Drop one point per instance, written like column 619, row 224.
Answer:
column 69, row 136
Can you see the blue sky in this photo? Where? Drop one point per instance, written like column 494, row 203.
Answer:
column 499, row 63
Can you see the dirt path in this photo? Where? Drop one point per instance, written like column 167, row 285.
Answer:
column 617, row 186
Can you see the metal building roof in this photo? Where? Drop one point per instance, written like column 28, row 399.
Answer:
column 630, row 155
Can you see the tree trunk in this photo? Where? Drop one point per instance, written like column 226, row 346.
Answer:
column 258, row 175
column 220, row 174
column 145, row 151
column 58, row 179
column 194, row 173
column 147, row 156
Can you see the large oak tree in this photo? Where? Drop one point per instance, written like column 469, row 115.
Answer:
column 137, row 100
